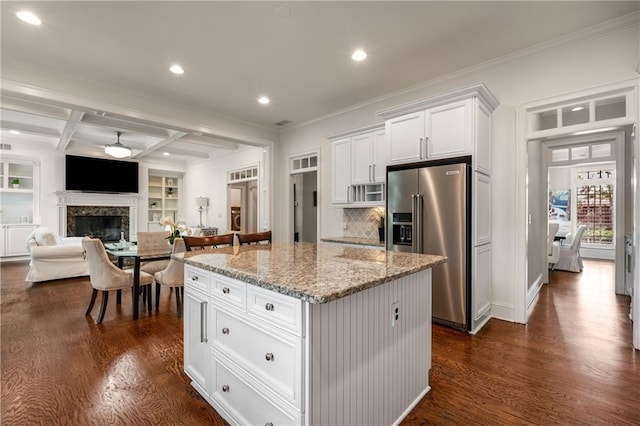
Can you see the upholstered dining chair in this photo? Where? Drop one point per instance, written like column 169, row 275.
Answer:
column 172, row 276
column 569, row 259
column 105, row 276
column 149, row 241
column 553, row 247
column 255, row 238
column 209, row 241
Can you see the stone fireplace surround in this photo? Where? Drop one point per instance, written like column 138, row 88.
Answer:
column 71, row 204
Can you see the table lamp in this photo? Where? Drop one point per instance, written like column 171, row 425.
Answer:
column 201, row 202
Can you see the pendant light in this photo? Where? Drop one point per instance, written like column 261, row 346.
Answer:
column 117, row 150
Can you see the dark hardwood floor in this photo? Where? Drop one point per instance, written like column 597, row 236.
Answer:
column 572, row 364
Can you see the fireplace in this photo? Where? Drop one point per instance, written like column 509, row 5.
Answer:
column 107, row 228
column 104, row 222
column 103, row 216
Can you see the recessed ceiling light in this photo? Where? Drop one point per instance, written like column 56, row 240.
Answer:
column 166, row 154
column 14, row 132
column 578, row 108
column 263, row 100
column 359, row 55
column 176, row 69
column 28, row 17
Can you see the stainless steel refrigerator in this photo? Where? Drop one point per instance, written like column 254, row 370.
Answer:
column 428, row 211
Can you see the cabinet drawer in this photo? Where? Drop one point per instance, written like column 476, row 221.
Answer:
column 237, row 396
column 274, row 308
column 273, row 358
column 196, row 279
column 229, row 291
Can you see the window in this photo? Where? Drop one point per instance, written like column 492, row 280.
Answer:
column 594, row 204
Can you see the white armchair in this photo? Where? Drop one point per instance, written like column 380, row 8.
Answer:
column 54, row 257
column 569, row 259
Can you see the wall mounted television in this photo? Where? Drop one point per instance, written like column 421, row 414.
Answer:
column 89, row 174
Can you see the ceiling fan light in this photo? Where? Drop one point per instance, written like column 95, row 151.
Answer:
column 117, row 150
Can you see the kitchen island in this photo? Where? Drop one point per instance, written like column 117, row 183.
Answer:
column 299, row 333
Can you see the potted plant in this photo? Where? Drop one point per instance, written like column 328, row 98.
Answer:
column 15, row 183
column 379, row 218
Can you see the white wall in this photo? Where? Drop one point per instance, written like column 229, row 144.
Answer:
column 580, row 63
column 209, row 179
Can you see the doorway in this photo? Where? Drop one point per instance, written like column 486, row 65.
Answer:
column 305, row 206
column 243, row 206
column 584, row 184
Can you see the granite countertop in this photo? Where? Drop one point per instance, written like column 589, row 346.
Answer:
column 355, row 240
column 317, row 273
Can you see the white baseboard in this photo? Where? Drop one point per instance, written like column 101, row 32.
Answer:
column 533, row 291
column 503, row 311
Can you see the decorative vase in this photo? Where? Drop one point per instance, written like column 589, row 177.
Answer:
column 381, row 234
column 16, row 186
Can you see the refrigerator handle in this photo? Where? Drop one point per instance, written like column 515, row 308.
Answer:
column 414, row 222
column 419, row 220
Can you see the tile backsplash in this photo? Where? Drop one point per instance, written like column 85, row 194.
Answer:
column 362, row 223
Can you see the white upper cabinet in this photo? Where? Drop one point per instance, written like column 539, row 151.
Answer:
column 449, row 130
column 368, row 157
column 341, row 164
column 379, row 156
column 361, row 158
column 405, row 138
column 450, row 125
column 359, row 163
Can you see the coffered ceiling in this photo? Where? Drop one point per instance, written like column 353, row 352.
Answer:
column 297, row 53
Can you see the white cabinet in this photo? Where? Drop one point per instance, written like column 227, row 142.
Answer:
column 449, row 130
column 405, row 138
column 449, row 125
column 341, row 165
column 452, row 125
column 481, row 208
column 197, row 328
column 274, row 359
column 481, row 285
column 15, row 239
column 19, row 191
column 445, row 131
column 359, row 160
column 368, row 157
column 164, row 199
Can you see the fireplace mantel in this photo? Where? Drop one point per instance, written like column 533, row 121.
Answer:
column 72, row 198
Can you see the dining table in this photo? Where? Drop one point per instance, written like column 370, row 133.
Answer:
column 130, row 251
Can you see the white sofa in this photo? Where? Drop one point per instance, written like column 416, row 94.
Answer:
column 54, row 257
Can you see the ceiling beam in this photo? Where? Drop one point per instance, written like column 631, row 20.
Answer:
column 127, row 126
column 210, row 142
column 187, row 153
column 157, row 145
column 25, row 128
column 69, row 129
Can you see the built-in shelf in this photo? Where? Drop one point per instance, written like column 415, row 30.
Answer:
column 164, row 199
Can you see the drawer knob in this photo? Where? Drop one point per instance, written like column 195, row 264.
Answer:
column 194, row 278
column 225, row 290
column 225, row 388
column 269, row 356
column 225, row 330
column 269, row 306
